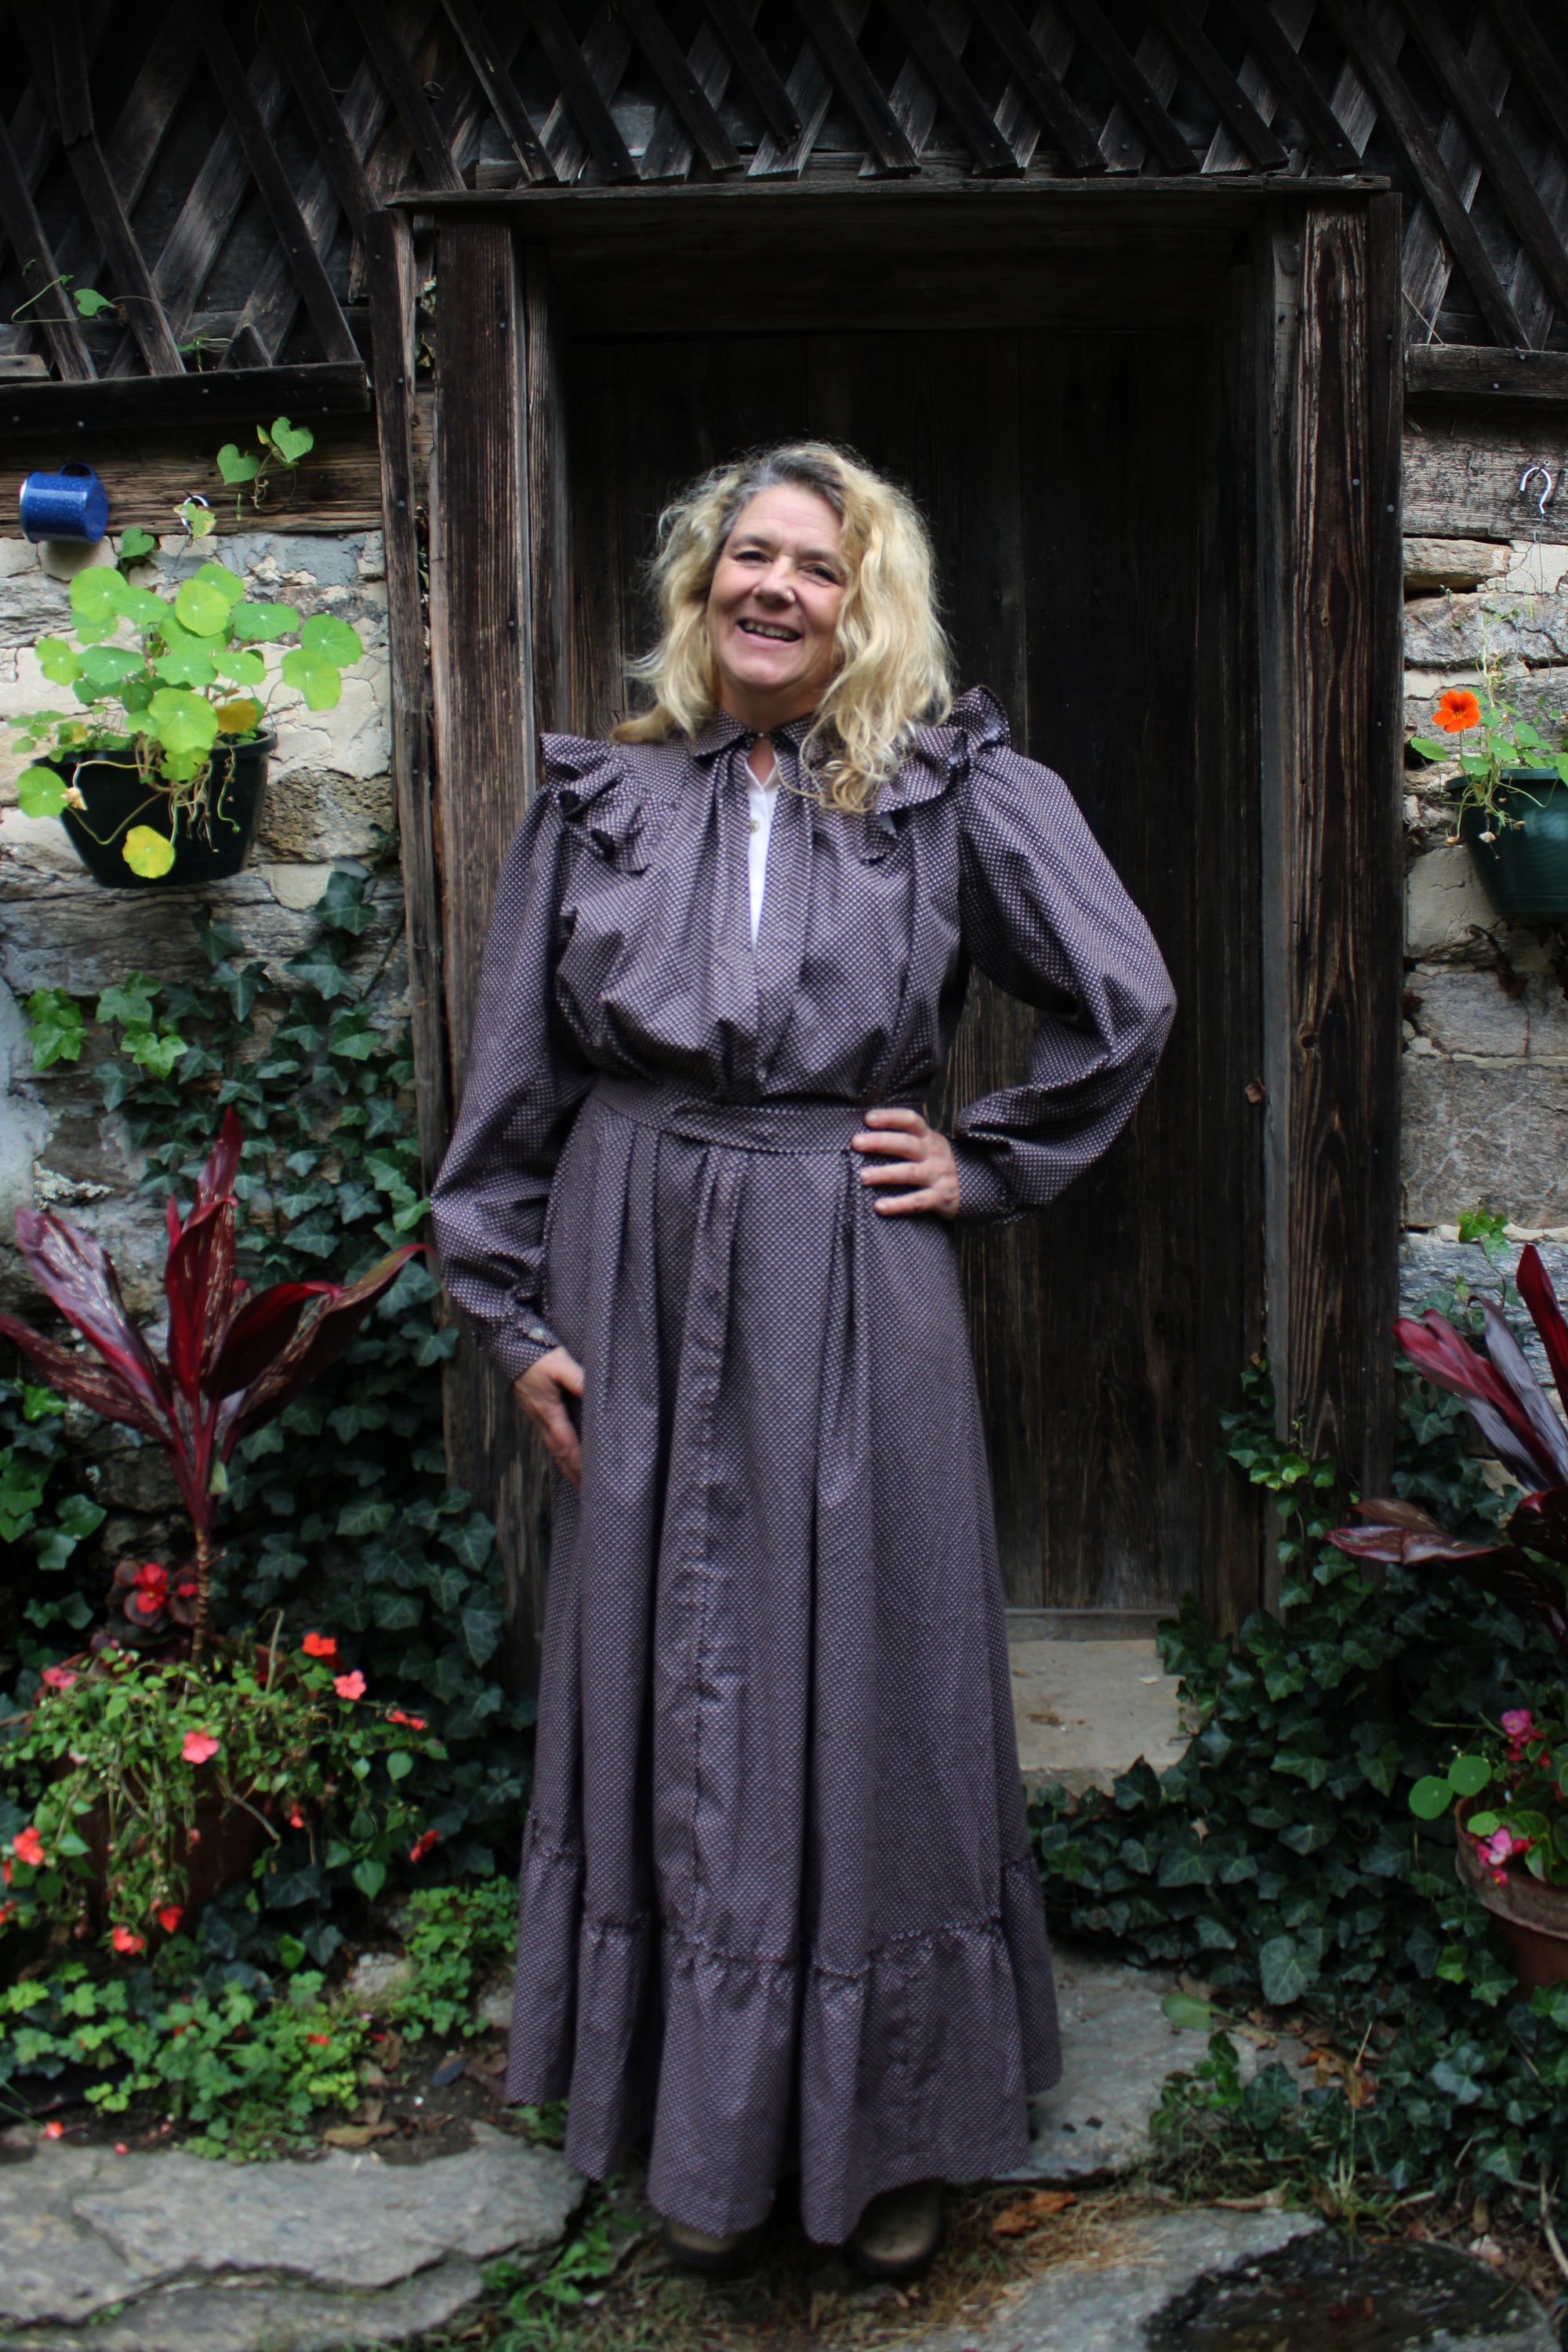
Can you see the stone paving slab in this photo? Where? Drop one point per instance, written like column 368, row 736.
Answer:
column 1118, row 2047
column 346, row 2249
column 1217, row 2281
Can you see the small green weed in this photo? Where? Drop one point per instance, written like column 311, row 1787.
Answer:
column 455, row 1936
column 539, row 2313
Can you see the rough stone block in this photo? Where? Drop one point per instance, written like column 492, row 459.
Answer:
column 1449, row 632
column 1494, row 1135
column 1468, row 1012
column 1445, row 904
column 271, row 2318
column 1548, row 1009
column 1431, row 564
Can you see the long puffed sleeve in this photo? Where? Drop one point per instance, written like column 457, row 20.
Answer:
column 1045, row 917
column 526, row 1080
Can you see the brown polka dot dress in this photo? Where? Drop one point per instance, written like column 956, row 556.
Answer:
column 778, row 1910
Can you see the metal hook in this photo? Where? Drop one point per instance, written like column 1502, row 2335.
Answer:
column 1546, row 493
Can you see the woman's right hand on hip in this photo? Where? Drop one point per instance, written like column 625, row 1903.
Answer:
column 539, row 1392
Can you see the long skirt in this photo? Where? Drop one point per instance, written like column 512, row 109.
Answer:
column 778, row 1908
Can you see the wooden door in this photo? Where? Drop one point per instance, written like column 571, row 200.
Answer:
column 1089, row 493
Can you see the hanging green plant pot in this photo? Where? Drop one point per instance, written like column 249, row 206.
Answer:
column 128, row 826
column 1524, row 868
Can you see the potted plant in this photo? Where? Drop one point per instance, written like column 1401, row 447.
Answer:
column 114, row 1737
column 1509, row 1783
column 1512, row 797
column 159, row 772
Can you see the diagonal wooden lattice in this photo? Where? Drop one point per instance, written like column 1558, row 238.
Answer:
column 212, row 170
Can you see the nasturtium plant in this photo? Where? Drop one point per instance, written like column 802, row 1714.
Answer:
column 162, row 682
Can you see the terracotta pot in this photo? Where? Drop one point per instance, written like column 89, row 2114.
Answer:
column 1532, row 1916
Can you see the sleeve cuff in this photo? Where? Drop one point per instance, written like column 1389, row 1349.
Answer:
column 983, row 1191
column 518, row 1344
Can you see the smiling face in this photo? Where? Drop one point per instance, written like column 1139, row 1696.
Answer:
column 772, row 608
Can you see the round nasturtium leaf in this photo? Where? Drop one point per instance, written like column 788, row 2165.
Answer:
column 243, row 669
column 201, row 608
column 59, row 662
column 107, row 667
column 143, row 609
column 181, row 721
column 1468, row 1775
column 1483, row 1824
column 238, row 715
column 185, row 663
column 255, row 623
column 228, row 584
column 97, row 595
column 1429, row 1798
column 325, row 635
column 321, row 682
column 147, row 853
column 40, row 792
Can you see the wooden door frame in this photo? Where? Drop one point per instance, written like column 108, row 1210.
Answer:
column 1325, row 361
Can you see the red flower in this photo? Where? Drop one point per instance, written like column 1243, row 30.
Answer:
column 318, row 1645
column 296, row 1818
column 198, row 1747
column 1456, row 711
column 349, row 1685
column 170, row 1917
column 423, row 1843
column 28, row 1847
column 6, row 1871
column 56, row 1678
column 54, row 2131
column 152, row 1584
column 414, row 1722
column 8, row 1911
column 322, row 2039
column 126, row 1939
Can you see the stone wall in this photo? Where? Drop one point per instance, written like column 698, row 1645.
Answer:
column 1486, row 1007
column 328, row 801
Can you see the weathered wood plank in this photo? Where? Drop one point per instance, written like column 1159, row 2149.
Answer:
column 1071, row 133
column 406, row 92
column 549, row 509
column 939, row 60
column 1332, row 688
column 489, row 67
column 810, row 87
column 390, row 259
column 1477, row 372
column 55, row 316
column 130, row 279
column 1464, row 463
column 684, row 89
column 845, row 69
column 912, row 97
column 582, row 74
column 483, row 698
column 733, row 21
column 1128, row 78
column 1236, row 109
column 311, row 388
column 290, row 30
column 272, row 184
column 1277, row 40
column 671, row 148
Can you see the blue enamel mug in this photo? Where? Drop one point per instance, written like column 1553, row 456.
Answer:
column 71, row 504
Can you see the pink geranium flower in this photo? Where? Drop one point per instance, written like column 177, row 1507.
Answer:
column 1517, row 1724
column 1496, row 1848
column 349, row 1685
column 199, row 1746
column 56, row 1678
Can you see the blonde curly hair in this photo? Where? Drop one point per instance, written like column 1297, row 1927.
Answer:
column 893, row 665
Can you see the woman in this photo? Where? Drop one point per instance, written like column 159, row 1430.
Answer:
column 778, row 1907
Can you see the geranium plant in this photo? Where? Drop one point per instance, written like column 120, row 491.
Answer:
column 164, row 683
column 1487, row 738
column 232, row 1362
column 129, row 1764
column 1518, row 1768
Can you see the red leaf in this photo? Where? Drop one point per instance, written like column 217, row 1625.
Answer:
column 1535, row 1289
column 215, row 1181
column 77, row 1275
column 319, row 1341
column 198, row 1281
column 261, row 1331
column 95, row 1385
column 1435, row 1347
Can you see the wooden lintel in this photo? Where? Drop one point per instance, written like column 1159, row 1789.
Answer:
column 545, row 208
column 1472, row 372
column 315, row 388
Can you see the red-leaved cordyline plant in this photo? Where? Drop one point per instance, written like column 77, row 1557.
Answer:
column 233, row 1361
column 1526, row 1566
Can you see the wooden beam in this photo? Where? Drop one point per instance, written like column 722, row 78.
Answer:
column 1331, row 689
column 1096, row 30
column 272, row 184
column 389, row 257
column 811, row 92
column 292, row 46
column 580, row 93
column 1470, row 371
column 1293, row 81
column 1235, row 108
column 733, row 27
column 68, row 66
column 940, row 61
column 1543, row 79
column 1499, row 157
column 312, row 388
column 51, row 309
column 406, row 92
column 1070, row 133
column 482, row 702
column 857, row 85
column 484, row 56
column 1373, row 60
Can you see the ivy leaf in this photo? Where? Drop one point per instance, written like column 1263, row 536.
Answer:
column 237, row 468
column 131, row 1002
column 1187, row 2014
column 136, row 545
column 1285, row 1971
column 291, row 442
column 342, row 906
column 482, row 1621
column 370, row 1877
column 366, row 1517
column 319, row 968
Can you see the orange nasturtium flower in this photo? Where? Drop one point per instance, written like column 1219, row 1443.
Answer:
column 1456, row 711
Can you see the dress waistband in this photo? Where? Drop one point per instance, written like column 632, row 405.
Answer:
column 797, row 1127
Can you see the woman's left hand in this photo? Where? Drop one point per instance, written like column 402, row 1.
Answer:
column 910, row 1155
